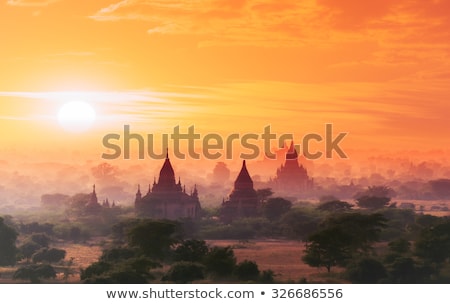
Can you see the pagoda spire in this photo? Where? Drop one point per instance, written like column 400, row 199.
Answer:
column 243, row 181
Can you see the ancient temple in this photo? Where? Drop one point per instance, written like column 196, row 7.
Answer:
column 92, row 204
column 243, row 200
column 291, row 177
column 167, row 199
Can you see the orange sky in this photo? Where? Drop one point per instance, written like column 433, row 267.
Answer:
column 378, row 70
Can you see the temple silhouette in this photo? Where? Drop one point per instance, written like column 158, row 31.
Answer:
column 243, row 200
column 167, row 199
column 291, row 177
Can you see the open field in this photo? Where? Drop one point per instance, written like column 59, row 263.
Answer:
column 283, row 257
column 83, row 255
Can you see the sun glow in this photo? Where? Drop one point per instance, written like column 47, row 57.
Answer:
column 76, row 116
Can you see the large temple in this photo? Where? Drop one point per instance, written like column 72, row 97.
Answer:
column 243, row 200
column 167, row 199
column 292, row 177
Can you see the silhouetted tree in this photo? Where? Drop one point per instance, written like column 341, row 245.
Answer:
column 134, row 270
column 299, row 223
column 264, row 194
column 342, row 237
column 433, row 244
column 375, row 197
column 335, row 206
column 267, row 277
column 51, row 255
column 372, row 202
column 191, row 251
column 366, row 271
column 155, row 238
column 28, row 249
column 276, row 207
column 327, row 248
column 40, row 238
column 35, row 273
column 247, row 270
column 220, row 261
column 8, row 249
column 117, row 254
column 184, row 272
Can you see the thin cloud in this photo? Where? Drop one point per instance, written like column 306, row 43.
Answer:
column 233, row 22
column 31, row 3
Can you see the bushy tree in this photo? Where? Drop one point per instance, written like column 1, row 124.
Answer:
column 40, row 238
column 52, row 255
column 28, row 249
column 191, row 251
column 247, row 270
column 154, row 238
column 299, row 223
column 220, row 261
column 35, row 273
column 327, row 248
column 8, row 249
column 341, row 238
column 374, row 197
column 134, row 270
column 366, row 271
column 433, row 244
column 275, row 207
column 117, row 254
column 264, row 194
column 184, row 272
column 267, row 277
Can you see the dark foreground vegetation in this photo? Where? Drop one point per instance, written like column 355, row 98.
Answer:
column 371, row 241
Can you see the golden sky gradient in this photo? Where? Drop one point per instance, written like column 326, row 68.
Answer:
column 378, row 70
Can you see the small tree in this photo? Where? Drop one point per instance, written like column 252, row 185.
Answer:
column 247, row 270
column 40, row 238
column 184, row 272
column 35, row 273
column 327, row 248
column 220, row 261
column 52, row 255
column 28, row 249
column 375, row 197
column 191, row 251
column 267, row 277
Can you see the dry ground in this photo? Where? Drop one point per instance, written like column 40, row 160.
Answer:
column 283, row 257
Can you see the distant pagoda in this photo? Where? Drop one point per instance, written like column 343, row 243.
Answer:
column 167, row 199
column 243, row 200
column 292, row 177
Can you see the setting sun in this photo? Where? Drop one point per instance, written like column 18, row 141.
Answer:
column 76, row 116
